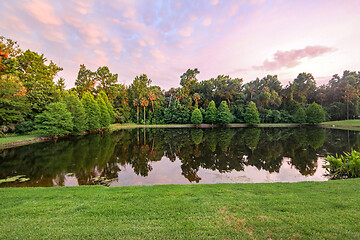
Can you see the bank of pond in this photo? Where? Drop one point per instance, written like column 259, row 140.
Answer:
column 151, row 156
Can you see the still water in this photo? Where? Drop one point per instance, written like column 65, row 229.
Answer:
column 178, row 156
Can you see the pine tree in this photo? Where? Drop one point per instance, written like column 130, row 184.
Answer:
column 92, row 111
column 224, row 115
column 251, row 115
column 55, row 120
column 109, row 106
column 77, row 111
column 315, row 113
column 196, row 117
column 211, row 113
column 104, row 113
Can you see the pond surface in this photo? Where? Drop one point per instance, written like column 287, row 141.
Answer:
column 178, row 156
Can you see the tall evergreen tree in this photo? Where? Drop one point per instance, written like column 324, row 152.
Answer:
column 104, row 113
column 224, row 115
column 92, row 111
column 196, row 117
column 109, row 106
column 77, row 111
column 55, row 120
column 251, row 114
column 211, row 113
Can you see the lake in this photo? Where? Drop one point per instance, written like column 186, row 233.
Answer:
column 153, row 156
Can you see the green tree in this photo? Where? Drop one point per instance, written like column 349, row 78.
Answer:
column 37, row 77
column 85, row 81
column 92, row 111
column 55, row 120
column 315, row 113
column 251, row 114
column 77, row 111
column 109, row 106
column 106, row 81
column 196, row 117
column 211, row 113
column 13, row 103
column 224, row 114
column 104, row 113
column 300, row 115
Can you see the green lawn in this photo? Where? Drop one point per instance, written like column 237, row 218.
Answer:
column 355, row 123
column 307, row 210
column 18, row 138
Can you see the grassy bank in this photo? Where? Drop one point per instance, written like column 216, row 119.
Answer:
column 16, row 140
column 307, row 210
column 353, row 125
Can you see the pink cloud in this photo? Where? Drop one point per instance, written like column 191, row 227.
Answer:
column 185, row 31
column 289, row 59
column 207, row 21
column 43, row 11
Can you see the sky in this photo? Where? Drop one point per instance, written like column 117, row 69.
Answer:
column 162, row 38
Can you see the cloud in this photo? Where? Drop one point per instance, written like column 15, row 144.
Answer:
column 43, row 11
column 207, row 21
column 185, row 31
column 290, row 59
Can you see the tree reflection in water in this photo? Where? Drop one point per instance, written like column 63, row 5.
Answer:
column 221, row 149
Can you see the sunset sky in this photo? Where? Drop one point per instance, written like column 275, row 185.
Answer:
column 245, row 39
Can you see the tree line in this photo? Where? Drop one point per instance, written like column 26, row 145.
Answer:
column 30, row 98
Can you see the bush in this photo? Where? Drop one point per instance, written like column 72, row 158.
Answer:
column 196, row 117
column 56, row 120
column 315, row 113
column 343, row 166
column 24, row 127
column 110, row 108
column 251, row 115
column 300, row 115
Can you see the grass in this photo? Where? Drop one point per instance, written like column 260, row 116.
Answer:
column 306, row 210
column 353, row 125
column 18, row 138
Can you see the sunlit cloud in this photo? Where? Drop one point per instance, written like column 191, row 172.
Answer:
column 290, row 59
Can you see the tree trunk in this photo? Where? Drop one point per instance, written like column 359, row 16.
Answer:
column 144, row 115
column 347, row 109
column 137, row 116
column 152, row 104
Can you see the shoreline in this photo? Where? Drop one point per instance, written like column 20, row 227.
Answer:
column 116, row 127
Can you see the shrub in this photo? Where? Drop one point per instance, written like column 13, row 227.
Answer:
column 196, row 117
column 24, row 127
column 55, row 120
column 315, row 113
column 300, row 115
column 110, row 108
column 343, row 166
column 251, row 115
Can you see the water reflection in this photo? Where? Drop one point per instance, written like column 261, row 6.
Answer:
column 178, row 156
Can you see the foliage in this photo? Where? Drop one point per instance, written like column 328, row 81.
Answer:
column 315, row 113
column 251, row 115
column 56, row 120
column 104, row 113
column 343, row 166
column 300, row 115
column 92, row 112
column 196, row 117
column 224, row 114
column 77, row 111
column 13, row 103
column 211, row 113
